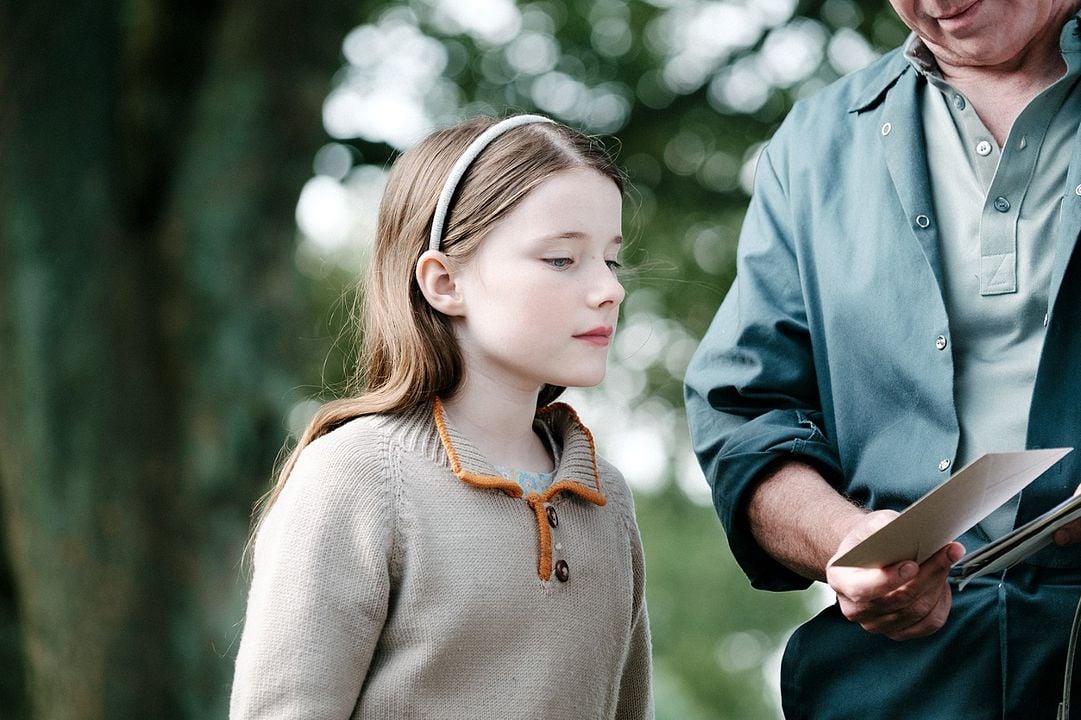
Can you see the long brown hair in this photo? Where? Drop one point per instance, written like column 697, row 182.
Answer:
column 409, row 354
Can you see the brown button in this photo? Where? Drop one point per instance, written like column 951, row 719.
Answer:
column 553, row 519
column 563, row 571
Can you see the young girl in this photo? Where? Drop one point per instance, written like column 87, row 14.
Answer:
column 447, row 544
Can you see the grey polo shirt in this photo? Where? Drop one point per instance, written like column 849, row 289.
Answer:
column 997, row 210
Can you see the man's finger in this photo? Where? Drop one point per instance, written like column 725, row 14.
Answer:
column 931, row 622
column 1068, row 534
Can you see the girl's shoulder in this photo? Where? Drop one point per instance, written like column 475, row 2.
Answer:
column 615, row 488
column 340, row 487
column 352, row 460
column 370, row 435
column 355, row 441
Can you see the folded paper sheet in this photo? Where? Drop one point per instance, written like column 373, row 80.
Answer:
column 1017, row 545
column 953, row 507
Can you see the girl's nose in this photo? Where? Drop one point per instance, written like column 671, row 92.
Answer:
column 606, row 287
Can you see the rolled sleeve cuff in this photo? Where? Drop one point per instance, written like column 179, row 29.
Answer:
column 747, row 458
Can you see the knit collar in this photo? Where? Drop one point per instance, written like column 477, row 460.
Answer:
column 576, row 472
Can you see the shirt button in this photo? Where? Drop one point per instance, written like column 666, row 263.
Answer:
column 1077, row 190
column 563, row 571
column 983, row 148
column 943, row 464
column 940, row 342
column 553, row 518
column 886, row 127
column 923, row 221
column 1002, row 204
column 958, row 102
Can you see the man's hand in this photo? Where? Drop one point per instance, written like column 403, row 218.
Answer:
column 1070, row 533
column 902, row 601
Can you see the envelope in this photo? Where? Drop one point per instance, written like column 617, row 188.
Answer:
column 947, row 511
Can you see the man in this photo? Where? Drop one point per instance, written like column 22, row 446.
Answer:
column 908, row 297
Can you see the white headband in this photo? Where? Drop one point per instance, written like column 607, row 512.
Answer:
column 435, row 239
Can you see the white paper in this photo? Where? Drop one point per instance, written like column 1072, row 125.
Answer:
column 947, row 511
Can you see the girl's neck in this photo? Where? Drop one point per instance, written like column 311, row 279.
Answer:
column 500, row 425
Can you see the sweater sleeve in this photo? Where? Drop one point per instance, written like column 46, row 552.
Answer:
column 635, row 690
column 321, row 583
column 752, row 393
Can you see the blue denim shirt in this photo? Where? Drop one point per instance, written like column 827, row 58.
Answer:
column 833, row 345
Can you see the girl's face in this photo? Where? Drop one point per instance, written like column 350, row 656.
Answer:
column 540, row 296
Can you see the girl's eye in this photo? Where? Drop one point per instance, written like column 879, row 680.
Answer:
column 559, row 263
column 614, row 265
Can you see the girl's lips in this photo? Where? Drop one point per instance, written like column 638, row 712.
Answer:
column 596, row 336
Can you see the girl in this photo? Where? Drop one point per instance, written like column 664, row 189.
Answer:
column 448, row 544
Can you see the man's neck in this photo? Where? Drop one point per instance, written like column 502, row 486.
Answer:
column 999, row 93
column 999, row 98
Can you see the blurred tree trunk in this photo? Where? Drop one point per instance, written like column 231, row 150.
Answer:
column 150, row 158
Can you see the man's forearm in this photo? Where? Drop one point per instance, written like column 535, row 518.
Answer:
column 799, row 518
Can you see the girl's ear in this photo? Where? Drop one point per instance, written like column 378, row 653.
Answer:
column 437, row 282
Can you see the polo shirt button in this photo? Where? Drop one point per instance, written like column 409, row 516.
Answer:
column 553, row 518
column 983, row 148
column 940, row 342
column 958, row 102
column 943, row 464
column 923, row 221
column 886, row 127
column 563, row 571
column 1077, row 190
column 1002, row 204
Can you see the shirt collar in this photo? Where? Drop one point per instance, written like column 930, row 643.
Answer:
column 893, row 67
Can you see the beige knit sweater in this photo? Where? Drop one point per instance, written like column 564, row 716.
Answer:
column 398, row 576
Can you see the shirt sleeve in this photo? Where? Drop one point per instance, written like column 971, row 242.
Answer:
column 751, row 390
column 320, row 588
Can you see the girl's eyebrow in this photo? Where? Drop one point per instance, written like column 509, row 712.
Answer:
column 573, row 235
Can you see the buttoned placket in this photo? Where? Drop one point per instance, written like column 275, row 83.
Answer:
column 911, row 183
column 560, row 565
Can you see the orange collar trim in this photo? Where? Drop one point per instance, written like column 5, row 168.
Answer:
column 583, row 490
column 492, row 482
